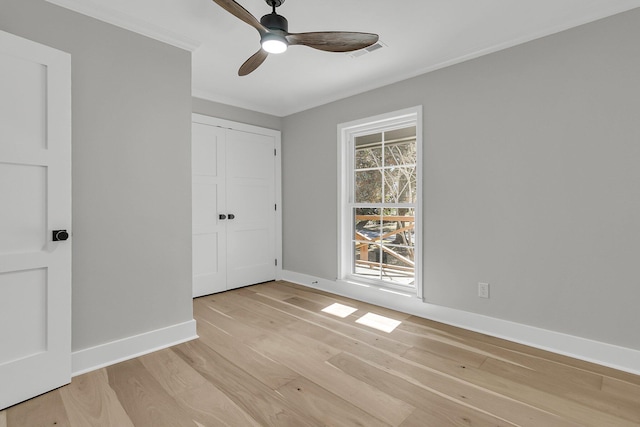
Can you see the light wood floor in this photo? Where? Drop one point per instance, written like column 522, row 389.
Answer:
column 267, row 355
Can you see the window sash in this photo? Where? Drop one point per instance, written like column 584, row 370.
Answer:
column 347, row 134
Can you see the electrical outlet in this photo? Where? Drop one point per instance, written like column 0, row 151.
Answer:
column 483, row 290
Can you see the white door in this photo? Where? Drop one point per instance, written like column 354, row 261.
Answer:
column 251, row 201
column 235, row 221
column 208, row 202
column 35, row 200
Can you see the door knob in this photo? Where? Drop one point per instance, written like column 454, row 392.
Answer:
column 231, row 216
column 222, row 216
column 59, row 235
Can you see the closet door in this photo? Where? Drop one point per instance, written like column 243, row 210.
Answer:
column 235, row 242
column 251, row 201
column 208, row 202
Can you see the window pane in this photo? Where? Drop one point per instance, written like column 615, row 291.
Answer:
column 400, row 153
column 368, row 152
column 368, row 187
column 395, row 264
column 397, row 273
column 399, row 134
column 366, row 260
column 368, row 157
column 398, row 241
column 367, row 224
column 398, row 227
column 368, row 140
column 400, row 185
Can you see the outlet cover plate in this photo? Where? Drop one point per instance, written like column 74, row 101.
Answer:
column 483, row 290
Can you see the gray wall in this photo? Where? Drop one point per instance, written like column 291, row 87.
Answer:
column 531, row 178
column 240, row 115
column 131, row 172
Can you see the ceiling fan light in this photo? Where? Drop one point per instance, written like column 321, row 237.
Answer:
column 274, row 44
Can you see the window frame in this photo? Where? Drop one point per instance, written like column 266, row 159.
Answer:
column 347, row 132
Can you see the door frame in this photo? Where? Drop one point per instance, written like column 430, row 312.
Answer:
column 277, row 136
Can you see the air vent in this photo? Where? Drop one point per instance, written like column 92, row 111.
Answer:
column 366, row 50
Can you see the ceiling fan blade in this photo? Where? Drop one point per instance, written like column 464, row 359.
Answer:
column 333, row 41
column 241, row 13
column 253, row 62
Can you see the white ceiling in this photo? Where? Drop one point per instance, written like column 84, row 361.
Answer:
column 420, row 36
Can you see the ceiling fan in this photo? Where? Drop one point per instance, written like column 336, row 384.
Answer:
column 275, row 36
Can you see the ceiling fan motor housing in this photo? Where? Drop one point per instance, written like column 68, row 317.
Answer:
column 273, row 21
column 274, row 3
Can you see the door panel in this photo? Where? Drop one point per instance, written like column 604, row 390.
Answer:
column 24, row 224
column 23, row 318
column 35, row 190
column 208, row 169
column 23, row 107
column 251, row 198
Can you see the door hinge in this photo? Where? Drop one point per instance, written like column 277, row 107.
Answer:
column 276, row 261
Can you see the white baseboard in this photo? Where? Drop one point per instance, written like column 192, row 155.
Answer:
column 622, row 358
column 102, row 355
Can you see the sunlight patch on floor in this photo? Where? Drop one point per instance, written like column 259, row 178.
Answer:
column 339, row 310
column 378, row 322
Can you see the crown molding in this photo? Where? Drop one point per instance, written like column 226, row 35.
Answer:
column 128, row 22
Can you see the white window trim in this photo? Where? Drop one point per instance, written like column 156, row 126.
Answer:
column 346, row 134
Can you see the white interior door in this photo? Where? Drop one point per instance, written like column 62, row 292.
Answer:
column 208, row 200
column 251, row 201
column 235, row 191
column 35, row 200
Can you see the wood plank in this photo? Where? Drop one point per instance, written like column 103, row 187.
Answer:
column 209, row 406
column 3, row 418
column 442, row 410
column 248, row 326
column 253, row 397
column 561, row 387
column 622, row 390
column 171, row 372
column 325, row 406
column 44, row 410
column 276, row 289
column 205, row 403
column 269, row 372
column 516, row 354
column 566, row 408
column 525, row 351
column 502, row 406
column 217, row 300
column 143, row 398
column 353, row 330
column 358, row 393
column 89, row 401
column 227, row 324
column 325, row 297
column 267, row 317
column 435, row 417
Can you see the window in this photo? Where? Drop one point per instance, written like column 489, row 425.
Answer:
column 380, row 192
